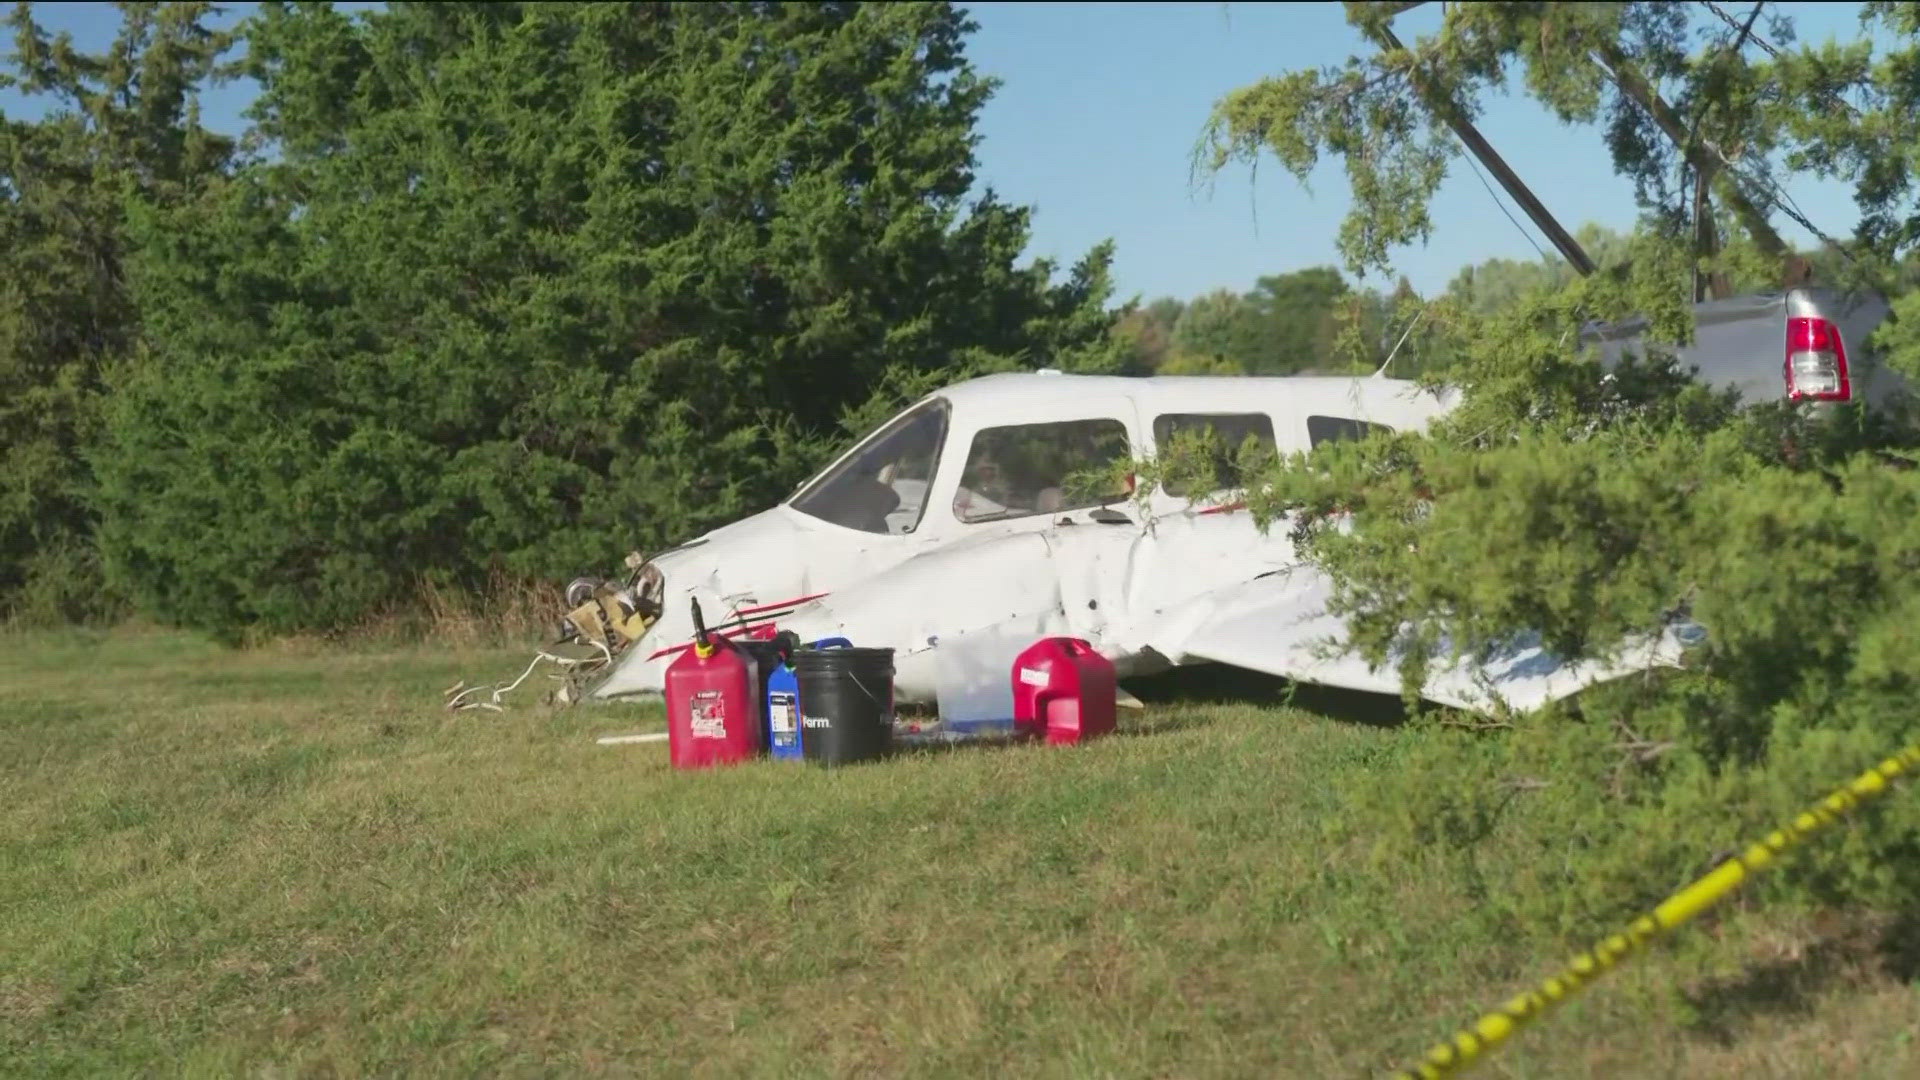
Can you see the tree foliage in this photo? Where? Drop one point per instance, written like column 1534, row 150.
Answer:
column 1497, row 284
column 1690, row 130
column 1286, row 324
column 1144, row 334
column 121, row 126
column 1587, row 508
column 1298, row 316
column 535, row 284
column 1219, row 331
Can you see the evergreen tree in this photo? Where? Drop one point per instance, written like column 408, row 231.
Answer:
column 1583, row 509
column 120, row 126
column 531, row 285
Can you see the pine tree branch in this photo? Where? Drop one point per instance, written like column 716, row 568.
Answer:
column 1706, row 159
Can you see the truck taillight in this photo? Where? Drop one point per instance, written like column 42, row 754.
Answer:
column 1816, row 361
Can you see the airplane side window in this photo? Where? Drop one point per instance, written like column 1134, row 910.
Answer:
column 1322, row 429
column 882, row 486
column 1027, row 469
column 1225, row 436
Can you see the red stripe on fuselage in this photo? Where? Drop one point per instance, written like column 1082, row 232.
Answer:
column 750, row 626
column 775, row 607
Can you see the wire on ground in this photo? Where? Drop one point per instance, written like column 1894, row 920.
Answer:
column 570, row 667
column 1472, row 1044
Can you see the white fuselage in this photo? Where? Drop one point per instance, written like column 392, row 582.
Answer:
column 950, row 520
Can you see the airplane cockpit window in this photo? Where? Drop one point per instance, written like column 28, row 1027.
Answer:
column 1322, row 429
column 1225, row 437
column 882, row 486
column 1027, row 469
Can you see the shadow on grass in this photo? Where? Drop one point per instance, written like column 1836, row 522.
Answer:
column 1900, row 948
column 903, row 748
column 1221, row 684
column 1130, row 723
column 1176, row 700
column 1768, row 990
column 1726, row 1008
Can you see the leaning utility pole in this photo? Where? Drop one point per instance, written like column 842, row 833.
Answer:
column 1706, row 161
column 1561, row 238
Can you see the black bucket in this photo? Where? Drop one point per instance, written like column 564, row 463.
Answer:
column 846, row 704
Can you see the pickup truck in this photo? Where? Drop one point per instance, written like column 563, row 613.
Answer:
column 1802, row 344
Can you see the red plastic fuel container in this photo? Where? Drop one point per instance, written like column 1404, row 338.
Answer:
column 1064, row 689
column 710, row 715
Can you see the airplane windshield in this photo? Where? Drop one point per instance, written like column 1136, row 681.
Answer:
column 882, row 486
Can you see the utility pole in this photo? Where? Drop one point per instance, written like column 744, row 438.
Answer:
column 1569, row 248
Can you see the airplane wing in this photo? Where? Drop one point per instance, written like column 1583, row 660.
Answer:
column 1278, row 624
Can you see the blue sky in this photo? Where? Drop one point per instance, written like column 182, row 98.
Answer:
column 1101, row 104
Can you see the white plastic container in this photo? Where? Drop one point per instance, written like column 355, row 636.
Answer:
column 974, row 682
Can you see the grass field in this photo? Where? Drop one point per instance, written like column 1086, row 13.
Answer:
column 294, row 862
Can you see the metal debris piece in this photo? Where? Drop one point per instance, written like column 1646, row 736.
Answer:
column 605, row 616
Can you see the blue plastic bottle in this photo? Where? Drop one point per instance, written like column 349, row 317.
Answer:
column 783, row 706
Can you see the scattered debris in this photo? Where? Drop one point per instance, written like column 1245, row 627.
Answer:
column 603, row 616
column 616, row 740
column 572, row 668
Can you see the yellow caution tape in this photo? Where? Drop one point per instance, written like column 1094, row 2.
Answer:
column 1471, row 1044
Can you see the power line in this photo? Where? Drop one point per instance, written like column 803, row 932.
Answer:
column 1845, row 105
column 1770, row 189
column 1503, row 209
column 1744, row 31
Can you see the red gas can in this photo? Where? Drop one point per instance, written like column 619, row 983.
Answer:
column 1064, row 689
column 710, row 714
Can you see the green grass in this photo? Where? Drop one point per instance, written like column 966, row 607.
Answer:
column 293, row 861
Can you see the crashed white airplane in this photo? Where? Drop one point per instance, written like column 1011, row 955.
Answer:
column 953, row 522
